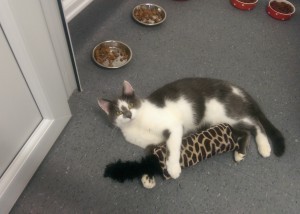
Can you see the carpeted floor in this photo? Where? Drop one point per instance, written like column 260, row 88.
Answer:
column 200, row 38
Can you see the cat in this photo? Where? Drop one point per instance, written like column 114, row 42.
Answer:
column 186, row 105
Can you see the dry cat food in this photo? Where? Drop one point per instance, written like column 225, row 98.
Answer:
column 148, row 15
column 282, row 7
column 109, row 56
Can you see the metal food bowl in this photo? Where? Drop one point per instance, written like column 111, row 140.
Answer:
column 111, row 54
column 149, row 14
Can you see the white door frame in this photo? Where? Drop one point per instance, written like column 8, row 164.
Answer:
column 44, row 78
column 53, row 13
column 74, row 7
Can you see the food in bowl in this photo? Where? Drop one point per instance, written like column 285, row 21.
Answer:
column 111, row 54
column 282, row 7
column 149, row 14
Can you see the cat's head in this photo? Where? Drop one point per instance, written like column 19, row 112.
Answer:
column 124, row 109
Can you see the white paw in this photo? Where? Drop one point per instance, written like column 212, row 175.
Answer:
column 173, row 168
column 148, row 182
column 263, row 145
column 238, row 156
column 265, row 150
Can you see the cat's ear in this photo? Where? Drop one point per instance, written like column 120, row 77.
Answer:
column 127, row 89
column 104, row 104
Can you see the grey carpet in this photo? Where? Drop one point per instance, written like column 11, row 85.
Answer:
column 201, row 38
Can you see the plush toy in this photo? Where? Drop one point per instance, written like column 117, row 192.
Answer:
column 194, row 148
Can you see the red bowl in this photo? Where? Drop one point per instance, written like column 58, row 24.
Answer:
column 278, row 15
column 242, row 5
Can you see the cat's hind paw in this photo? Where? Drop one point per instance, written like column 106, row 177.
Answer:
column 263, row 145
column 148, row 182
column 173, row 169
column 264, row 150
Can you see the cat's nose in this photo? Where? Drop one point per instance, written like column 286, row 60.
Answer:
column 127, row 114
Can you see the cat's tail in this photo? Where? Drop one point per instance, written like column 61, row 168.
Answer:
column 129, row 170
column 273, row 134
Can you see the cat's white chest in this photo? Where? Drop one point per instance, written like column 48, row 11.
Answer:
column 142, row 136
column 146, row 129
column 150, row 123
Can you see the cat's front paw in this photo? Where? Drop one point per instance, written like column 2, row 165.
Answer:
column 238, row 157
column 173, row 168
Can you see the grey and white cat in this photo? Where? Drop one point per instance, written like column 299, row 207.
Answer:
column 188, row 104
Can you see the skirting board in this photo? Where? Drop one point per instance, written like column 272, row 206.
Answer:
column 74, row 7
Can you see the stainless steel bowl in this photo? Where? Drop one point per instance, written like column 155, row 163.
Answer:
column 149, row 14
column 112, row 54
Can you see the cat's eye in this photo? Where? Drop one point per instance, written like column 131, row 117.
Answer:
column 118, row 113
column 130, row 105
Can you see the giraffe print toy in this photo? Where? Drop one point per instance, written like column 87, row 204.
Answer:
column 195, row 148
